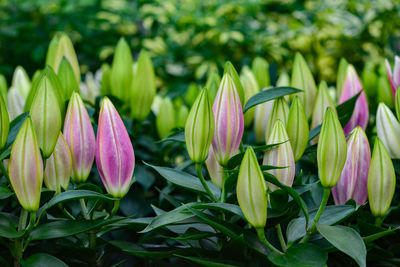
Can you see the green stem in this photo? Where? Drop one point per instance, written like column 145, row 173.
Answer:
column 84, row 210
column 263, row 239
column 92, row 240
column 311, row 231
column 115, row 207
column 280, row 237
column 378, row 221
column 65, row 212
column 223, row 192
column 18, row 242
column 203, row 181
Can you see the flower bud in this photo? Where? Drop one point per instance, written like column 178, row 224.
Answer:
column 21, row 81
column 67, row 79
column 250, row 86
column 279, row 111
column 105, row 83
column 61, row 46
column 352, row 183
column 165, row 120
column 280, row 156
column 397, row 104
column 212, row 84
column 381, row 180
column 26, row 167
column 199, row 128
column 260, row 69
column 322, row 102
column 388, row 128
column 90, row 89
column 214, row 169
column 228, row 117
column 302, row 79
column 394, row 77
column 79, row 134
column 230, row 69
column 351, row 87
column 297, row 128
column 331, row 150
column 115, row 159
column 341, row 75
column 121, row 71
column 283, row 80
column 369, row 80
column 3, row 87
column 4, row 122
column 58, row 166
column 385, row 92
column 182, row 115
column 15, row 103
column 191, row 94
column 251, row 190
column 261, row 118
column 46, row 116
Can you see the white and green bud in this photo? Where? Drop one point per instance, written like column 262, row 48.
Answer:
column 297, row 128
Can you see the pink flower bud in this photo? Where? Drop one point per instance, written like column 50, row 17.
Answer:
column 394, row 77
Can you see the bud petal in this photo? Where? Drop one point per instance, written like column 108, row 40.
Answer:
column 121, row 70
column 78, row 133
column 230, row 69
column 250, row 88
column 214, row 169
column 228, row 117
column 115, row 159
column 397, row 104
column 26, row 167
column 280, row 111
column 352, row 183
column 58, row 166
column 4, row 122
column 143, row 87
column 388, row 128
column 260, row 69
column 297, row 128
column 302, row 79
column 322, row 102
column 280, row 156
column 351, row 87
column 67, row 78
column 251, row 190
column 165, row 120
column 199, row 128
column 15, row 103
column 21, row 81
column 381, row 180
column 261, row 118
column 341, row 76
column 332, row 150
column 394, row 77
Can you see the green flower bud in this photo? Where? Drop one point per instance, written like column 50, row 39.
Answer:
column 67, row 79
column 199, row 128
column 283, row 80
column 332, row 150
column 3, row 87
column 302, row 79
column 61, row 46
column 4, row 122
column 369, row 80
column 143, row 87
column 385, row 94
column 230, row 69
column 251, row 190
column 191, row 94
column 250, row 88
column 381, row 180
column 212, row 84
column 21, row 82
column 280, row 111
column 182, row 114
column 397, row 104
column 341, row 76
column 260, row 69
column 121, row 71
column 297, row 128
column 46, row 116
column 105, row 86
column 165, row 120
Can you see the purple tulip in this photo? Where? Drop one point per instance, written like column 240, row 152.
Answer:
column 394, row 77
column 351, row 87
column 79, row 134
column 229, row 123
column 352, row 183
column 115, row 159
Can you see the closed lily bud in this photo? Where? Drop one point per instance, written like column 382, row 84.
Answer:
column 46, row 116
column 297, row 128
column 251, row 190
column 394, row 76
column 251, row 88
column 322, row 102
column 165, row 120
column 121, row 71
column 388, row 128
column 21, row 81
column 283, row 79
column 212, row 84
column 331, row 150
column 90, row 89
column 67, row 79
column 381, row 180
column 302, row 79
column 352, row 183
column 369, row 80
column 79, row 134
column 260, row 69
column 280, row 156
column 351, row 87
column 26, row 167
column 230, row 69
column 397, row 104
column 229, row 123
column 4, row 122
column 341, row 75
column 105, row 83
column 182, row 115
column 143, row 87
column 215, row 170
column 191, row 94
column 261, row 118
column 199, row 128
column 3, row 87
column 61, row 46
column 58, row 166
column 279, row 111
column 115, row 159
column 385, row 92
column 15, row 103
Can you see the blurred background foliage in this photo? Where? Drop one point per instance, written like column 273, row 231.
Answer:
column 188, row 38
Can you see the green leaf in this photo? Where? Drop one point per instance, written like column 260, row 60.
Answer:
column 345, row 110
column 5, row 154
column 15, row 125
column 175, row 137
column 43, row 260
column 345, row 239
column 5, row 192
column 331, row 215
column 209, row 262
column 305, row 254
column 373, row 237
column 268, row 95
column 7, row 228
column 186, row 180
column 224, row 207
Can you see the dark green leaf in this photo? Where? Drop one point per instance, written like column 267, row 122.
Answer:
column 303, row 255
column 268, row 95
column 7, row 228
column 5, row 192
column 175, row 137
column 314, row 132
column 43, row 260
column 345, row 110
column 224, row 207
column 15, row 125
column 5, row 154
column 373, row 237
column 209, row 262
